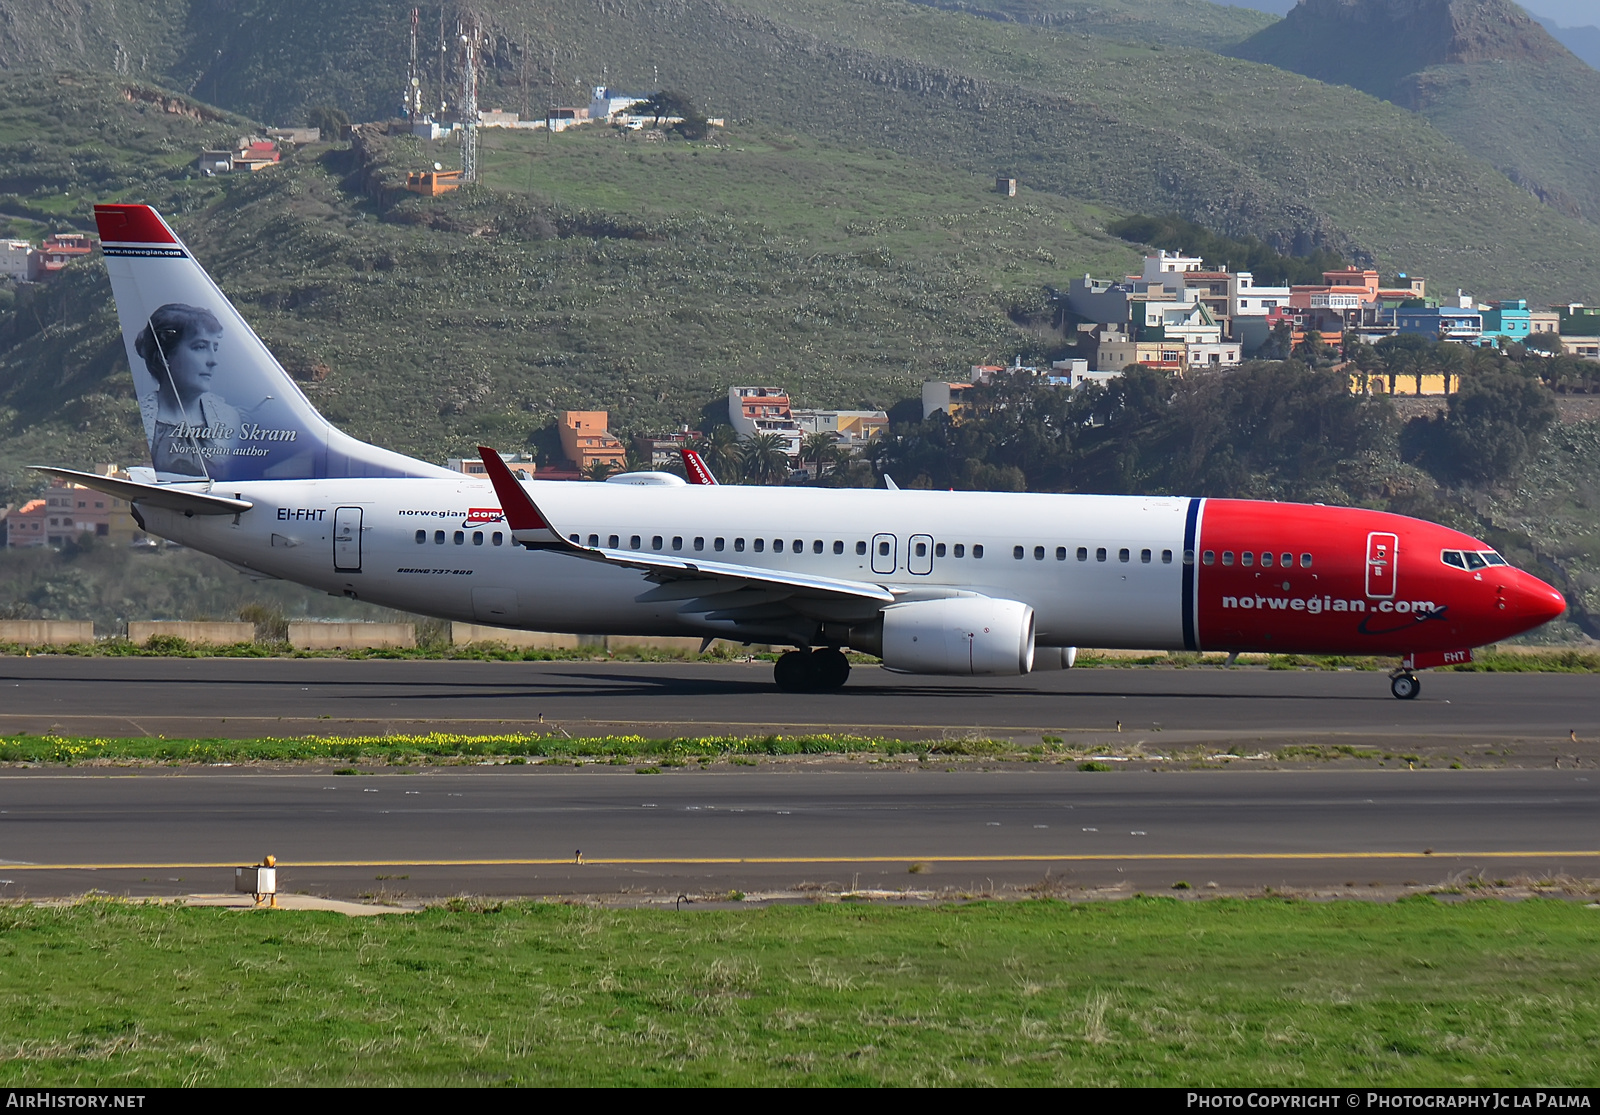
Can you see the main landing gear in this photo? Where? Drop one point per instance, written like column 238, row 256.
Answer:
column 812, row 671
column 1404, row 685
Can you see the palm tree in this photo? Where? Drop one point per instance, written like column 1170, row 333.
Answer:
column 598, row 470
column 723, row 453
column 765, row 461
column 821, row 449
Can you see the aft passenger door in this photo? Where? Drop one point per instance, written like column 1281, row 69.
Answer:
column 347, row 540
column 1382, row 550
column 919, row 554
column 885, row 553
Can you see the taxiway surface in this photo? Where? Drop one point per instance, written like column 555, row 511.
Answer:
column 783, row 828
column 1535, row 714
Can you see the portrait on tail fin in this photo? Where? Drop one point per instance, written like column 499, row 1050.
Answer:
column 186, row 421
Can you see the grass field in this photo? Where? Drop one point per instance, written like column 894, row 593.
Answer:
column 1140, row 992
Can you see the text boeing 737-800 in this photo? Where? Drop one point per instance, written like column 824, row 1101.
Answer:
column 243, row 467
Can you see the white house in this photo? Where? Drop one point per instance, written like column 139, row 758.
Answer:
column 16, row 260
column 1245, row 299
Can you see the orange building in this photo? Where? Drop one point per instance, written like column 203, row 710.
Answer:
column 432, row 183
column 586, row 439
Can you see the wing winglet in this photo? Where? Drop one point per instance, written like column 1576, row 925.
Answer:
column 696, row 467
column 529, row 527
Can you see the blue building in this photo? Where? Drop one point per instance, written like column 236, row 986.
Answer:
column 1441, row 323
column 1508, row 320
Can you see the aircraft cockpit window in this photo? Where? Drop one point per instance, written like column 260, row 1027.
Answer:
column 1474, row 561
column 1493, row 558
column 1453, row 557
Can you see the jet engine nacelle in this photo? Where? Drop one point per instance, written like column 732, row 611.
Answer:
column 961, row 635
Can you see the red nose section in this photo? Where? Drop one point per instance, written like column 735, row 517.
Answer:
column 1537, row 602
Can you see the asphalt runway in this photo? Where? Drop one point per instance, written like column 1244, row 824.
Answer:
column 1530, row 715
column 787, row 830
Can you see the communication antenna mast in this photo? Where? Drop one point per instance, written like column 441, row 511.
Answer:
column 469, row 102
column 413, row 98
column 443, row 50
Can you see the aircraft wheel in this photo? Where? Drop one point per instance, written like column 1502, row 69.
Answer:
column 795, row 672
column 1405, row 686
column 832, row 668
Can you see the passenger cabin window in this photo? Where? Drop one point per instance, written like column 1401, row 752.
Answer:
column 1227, row 557
column 838, row 546
column 498, row 538
column 677, row 542
column 1122, row 555
column 633, row 543
column 938, row 549
column 1210, row 557
column 1144, row 556
column 738, row 545
column 613, row 543
column 1305, row 561
column 461, row 538
column 594, row 541
column 573, row 538
column 422, row 536
column 438, row 538
column 883, row 549
column 1038, row 553
column 1247, row 559
column 700, row 544
column 1061, row 553
column 760, row 544
column 777, row 545
column 977, row 551
column 655, row 542
column 861, row 548
column 816, row 547
column 1266, row 561
column 1166, row 557
column 477, row 538
column 718, row 545
column 1083, row 553
column 960, row 549
column 799, row 546
column 1016, row 552
column 922, row 549
column 1100, row 553
column 1288, row 561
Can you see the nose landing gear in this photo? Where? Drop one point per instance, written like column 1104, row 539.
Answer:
column 1404, row 685
column 811, row 671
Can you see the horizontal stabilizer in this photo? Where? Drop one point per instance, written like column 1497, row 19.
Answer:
column 169, row 496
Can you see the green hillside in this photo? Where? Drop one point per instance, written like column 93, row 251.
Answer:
column 593, row 269
column 1481, row 71
column 1187, row 23
column 1244, row 149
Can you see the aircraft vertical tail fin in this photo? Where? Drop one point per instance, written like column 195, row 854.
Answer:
column 216, row 403
column 695, row 466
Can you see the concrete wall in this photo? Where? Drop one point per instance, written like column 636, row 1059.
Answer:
column 214, row 632
column 461, row 634
column 345, row 636
column 46, row 632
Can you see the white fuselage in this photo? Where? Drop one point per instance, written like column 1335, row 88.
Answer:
column 437, row 547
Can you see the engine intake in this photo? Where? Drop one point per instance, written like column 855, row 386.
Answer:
column 971, row 635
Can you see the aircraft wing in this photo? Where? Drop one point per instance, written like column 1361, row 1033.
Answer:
column 722, row 593
column 173, row 497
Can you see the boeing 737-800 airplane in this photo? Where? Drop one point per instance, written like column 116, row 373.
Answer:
column 243, row 467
